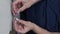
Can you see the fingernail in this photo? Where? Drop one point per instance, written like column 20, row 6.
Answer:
column 17, row 19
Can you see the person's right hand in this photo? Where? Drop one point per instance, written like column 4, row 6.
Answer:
column 24, row 4
column 22, row 26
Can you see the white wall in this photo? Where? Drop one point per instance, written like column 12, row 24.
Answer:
column 5, row 16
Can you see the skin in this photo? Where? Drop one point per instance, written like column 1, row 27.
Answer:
column 23, row 5
column 30, row 26
column 26, row 26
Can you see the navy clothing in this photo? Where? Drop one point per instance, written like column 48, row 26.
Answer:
column 45, row 14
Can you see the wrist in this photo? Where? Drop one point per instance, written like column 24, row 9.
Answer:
column 34, row 27
column 39, row 30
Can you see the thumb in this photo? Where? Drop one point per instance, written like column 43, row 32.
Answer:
column 22, row 21
column 24, row 7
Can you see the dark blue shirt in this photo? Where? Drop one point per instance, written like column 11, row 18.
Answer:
column 45, row 14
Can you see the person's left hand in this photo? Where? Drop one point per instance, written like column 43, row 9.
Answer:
column 21, row 5
column 22, row 26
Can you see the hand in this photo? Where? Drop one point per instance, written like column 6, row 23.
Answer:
column 23, row 4
column 22, row 26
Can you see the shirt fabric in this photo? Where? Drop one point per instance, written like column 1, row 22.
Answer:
column 45, row 14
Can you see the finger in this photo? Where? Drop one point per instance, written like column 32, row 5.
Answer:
column 22, row 8
column 15, row 5
column 15, row 25
column 13, row 12
column 20, row 29
column 22, row 21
